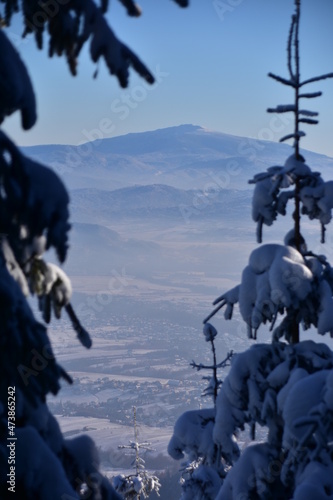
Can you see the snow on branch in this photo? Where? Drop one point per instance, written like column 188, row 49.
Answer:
column 193, row 435
column 282, row 108
column 281, row 280
column 269, row 199
column 310, row 95
column 316, row 79
column 18, row 363
column 282, row 80
column 239, row 401
column 306, row 112
column 71, row 24
column 34, row 203
column 318, row 201
column 34, row 216
column 287, row 389
column 309, row 121
column 16, row 92
column 229, row 298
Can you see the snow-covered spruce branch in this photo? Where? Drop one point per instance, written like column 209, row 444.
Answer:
column 72, row 23
column 317, row 79
column 229, row 299
column 265, row 384
column 309, row 190
column 135, row 486
column 19, row 94
column 280, row 79
column 203, row 472
column 286, row 108
column 281, row 280
column 34, row 203
column 309, row 121
column 310, row 95
column 282, row 108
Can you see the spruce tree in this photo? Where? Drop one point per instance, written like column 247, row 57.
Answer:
column 202, row 472
column 285, row 386
column 140, row 484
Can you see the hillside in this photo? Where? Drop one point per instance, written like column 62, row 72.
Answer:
column 186, row 157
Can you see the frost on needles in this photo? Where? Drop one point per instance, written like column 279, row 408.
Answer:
column 286, row 386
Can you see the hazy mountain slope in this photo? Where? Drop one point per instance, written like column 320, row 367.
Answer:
column 185, row 157
column 158, row 202
column 95, row 249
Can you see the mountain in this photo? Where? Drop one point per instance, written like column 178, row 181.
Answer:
column 158, row 202
column 170, row 200
column 184, row 157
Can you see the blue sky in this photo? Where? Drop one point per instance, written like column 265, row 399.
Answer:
column 211, row 61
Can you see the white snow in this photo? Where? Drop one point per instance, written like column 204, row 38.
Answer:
column 193, row 435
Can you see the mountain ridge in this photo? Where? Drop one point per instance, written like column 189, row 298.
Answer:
column 186, row 157
column 172, row 131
